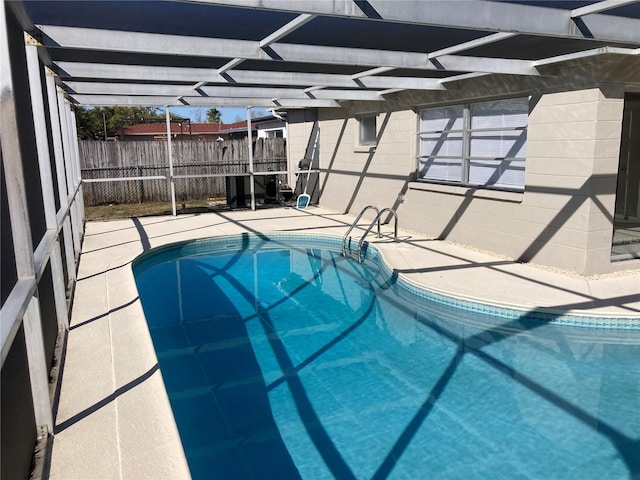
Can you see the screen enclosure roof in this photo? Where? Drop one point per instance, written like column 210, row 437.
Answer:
column 307, row 54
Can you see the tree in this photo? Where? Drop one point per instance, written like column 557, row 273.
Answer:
column 91, row 120
column 258, row 112
column 214, row 115
column 198, row 116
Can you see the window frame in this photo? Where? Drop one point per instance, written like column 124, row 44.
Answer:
column 361, row 125
column 467, row 133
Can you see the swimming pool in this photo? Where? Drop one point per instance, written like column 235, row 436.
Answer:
column 283, row 359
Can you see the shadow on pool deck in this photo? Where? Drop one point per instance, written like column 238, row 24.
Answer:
column 154, row 232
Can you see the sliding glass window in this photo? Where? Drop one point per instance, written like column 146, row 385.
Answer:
column 481, row 144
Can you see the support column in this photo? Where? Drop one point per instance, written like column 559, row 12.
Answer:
column 38, row 369
column 75, row 175
column 21, row 229
column 252, row 183
column 63, row 195
column 64, row 125
column 172, row 184
column 46, row 180
column 79, row 195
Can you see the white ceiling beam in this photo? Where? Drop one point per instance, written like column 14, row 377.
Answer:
column 219, row 102
column 464, row 76
column 344, row 94
column 391, row 90
column 94, row 88
column 496, row 37
column 599, row 7
column 461, row 63
column 410, row 83
column 229, row 65
column 137, row 42
column 349, row 56
column 371, row 72
column 294, row 24
column 186, row 74
column 153, row 43
column 586, row 54
column 474, row 15
column 299, row 21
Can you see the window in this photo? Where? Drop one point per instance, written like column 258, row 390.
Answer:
column 481, row 144
column 368, row 134
column 274, row 133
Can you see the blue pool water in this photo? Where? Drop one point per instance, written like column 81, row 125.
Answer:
column 284, row 360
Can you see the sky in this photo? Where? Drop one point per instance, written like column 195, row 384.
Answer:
column 229, row 115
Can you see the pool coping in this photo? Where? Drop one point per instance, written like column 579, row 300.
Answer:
column 547, row 315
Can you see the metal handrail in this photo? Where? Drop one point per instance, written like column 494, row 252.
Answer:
column 377, row 219
column 355, row 222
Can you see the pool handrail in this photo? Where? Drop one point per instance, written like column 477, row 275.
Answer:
column 377, row 219
column 355, row 222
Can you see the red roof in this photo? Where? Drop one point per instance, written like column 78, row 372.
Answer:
column 196, row 128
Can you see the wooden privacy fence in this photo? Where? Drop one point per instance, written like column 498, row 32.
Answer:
column 140, row 159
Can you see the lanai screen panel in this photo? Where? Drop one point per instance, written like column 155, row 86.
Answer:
column 312, row 54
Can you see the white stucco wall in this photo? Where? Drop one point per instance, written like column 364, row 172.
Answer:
column 563, row 218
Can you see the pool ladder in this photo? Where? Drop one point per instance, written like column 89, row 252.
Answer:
column 358, row 253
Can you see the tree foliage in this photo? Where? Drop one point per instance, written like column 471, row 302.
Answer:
column 214, row 116
column 91, row 120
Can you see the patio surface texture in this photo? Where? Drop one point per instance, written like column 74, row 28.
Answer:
column 114, row 420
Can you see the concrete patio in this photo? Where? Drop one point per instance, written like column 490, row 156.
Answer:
column 114, row 420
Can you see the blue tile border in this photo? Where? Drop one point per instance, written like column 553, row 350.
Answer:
column 251, row 242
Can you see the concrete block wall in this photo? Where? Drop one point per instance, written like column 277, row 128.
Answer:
column 360, row 175
column 564, row 217
column 299, row 128
column 604, row 178
column 572, row 163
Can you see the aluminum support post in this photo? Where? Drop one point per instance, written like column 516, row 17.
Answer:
column 63, row 195
column 75, row 209
column 64, row 125
column 21, row 230
column 252, row 183
column 46, row 180
column 172, row 185
column 38, row 371
column 79, row 195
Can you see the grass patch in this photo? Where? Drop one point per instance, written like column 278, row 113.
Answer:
column 128, row 210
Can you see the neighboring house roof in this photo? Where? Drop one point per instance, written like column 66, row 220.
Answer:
column 270, row 118
column 235, row 127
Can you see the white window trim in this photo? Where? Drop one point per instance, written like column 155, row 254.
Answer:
column 359, row 145
column 468, row 191
column 466, row 158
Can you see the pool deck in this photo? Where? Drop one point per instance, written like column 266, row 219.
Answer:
column 114, row 420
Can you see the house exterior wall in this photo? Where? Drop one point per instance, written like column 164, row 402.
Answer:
column 271, row 126
column 562, row 219
column 299, row 129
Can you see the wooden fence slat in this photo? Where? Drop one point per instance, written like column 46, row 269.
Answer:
column 145, row 158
